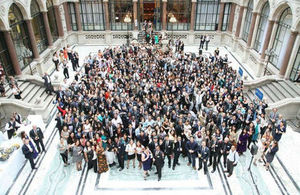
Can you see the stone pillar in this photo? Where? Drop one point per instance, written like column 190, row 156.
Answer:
column 33, row 43
column 221, row 15
column 287, row 52
column 47, row 28
column 267, row 39
column 77, row 14
column 239, row 23
column 250, row 36
column 12, row 52
column 58, row 21
column 193, row 15
column 164, row 15
column 135, row 10
column 231, row 17
column 67, row 16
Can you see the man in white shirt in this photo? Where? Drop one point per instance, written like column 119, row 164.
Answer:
column 232, row 160
column 11, row 127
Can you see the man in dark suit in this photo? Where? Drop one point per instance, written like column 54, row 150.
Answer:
column 203, row 155
column 177, row 151
column 59, row 122
column 225, row 147
column 48, row 84
column 168, row 149
column 158, row 161
column 191, row 148
column 120, row 150
column 37, row 136
column 28, row 152
column 11, row 127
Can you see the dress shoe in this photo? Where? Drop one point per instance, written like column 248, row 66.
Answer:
column 209, row 165
column 120, row 169
column 213, row 171
column 173, row 168
column 156, row 173
column 205, row 173
column 199, row 168
column 229, row 175
column 158, row 179
column 188, row 164
column 194, row 168
column 169, row 166
column 178, row 164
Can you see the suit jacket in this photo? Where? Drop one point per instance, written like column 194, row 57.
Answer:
column 177, row 146
column 120, row 148
column 191, row 146
column 159, row 159
column 204, row 152
column 39, row 133
column 167, row 148
column 28, row 154
column 59, row 122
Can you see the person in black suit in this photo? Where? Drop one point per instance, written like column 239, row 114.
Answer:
column 177, row 151
column 48, row 84
column 168, row 149
column 225, row 147
column 28, row 152
column 191, row 147
column 144, row 139
column 158, row 161
column 11, row 127
column 120, row 150
column 59, row 122
column 37, row 136
column 203, row 155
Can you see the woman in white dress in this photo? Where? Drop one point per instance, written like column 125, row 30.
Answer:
column 131, row 150
column 139, row 151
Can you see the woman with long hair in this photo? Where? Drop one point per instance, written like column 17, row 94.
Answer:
column 102, row 163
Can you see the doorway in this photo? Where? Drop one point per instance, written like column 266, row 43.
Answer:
column 150, row 10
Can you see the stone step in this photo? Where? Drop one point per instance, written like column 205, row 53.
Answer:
column 22, row 87
column 278, row 93
column 272, row 94
column 267, row 94
column 32, row 94
column 27, row 90
column 251, row 95
column 293, row 86
column 38, row 95
column 282, row 90
column 287, row 87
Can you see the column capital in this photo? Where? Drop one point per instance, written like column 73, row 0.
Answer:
column 194, row 1
column 134, row 1
column 164, row 0
column 105, row 1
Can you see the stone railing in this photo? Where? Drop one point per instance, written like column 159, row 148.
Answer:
column 252, row 84
column 288, row 107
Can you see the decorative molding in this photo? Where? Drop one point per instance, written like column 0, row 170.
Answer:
column 121, row 36
column 298, row 11
column 177, row 36
column 95, row 36
column 211, row 36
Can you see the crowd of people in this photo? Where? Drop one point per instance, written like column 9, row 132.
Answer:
column 141, row 103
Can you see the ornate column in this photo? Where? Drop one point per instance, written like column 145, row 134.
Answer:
column 267, row 39
column 12, row 52
column 287, row 52
column 250, row 36
column 239, row 23
column 67, row 16
column 47, row 28
column 33, row 43
column 222, row 6
column 77, row 14
column 164, row 15
column 193, row 15
column 231, row 17
column 58, row 21
column 135, row 22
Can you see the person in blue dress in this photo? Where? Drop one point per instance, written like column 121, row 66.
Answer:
column 25, row 136
column 146, row 159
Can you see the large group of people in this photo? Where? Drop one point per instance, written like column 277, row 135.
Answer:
column 141, row 103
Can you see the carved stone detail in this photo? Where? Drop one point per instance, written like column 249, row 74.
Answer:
column 95, row 36
column 2, row 10
column 121, row 36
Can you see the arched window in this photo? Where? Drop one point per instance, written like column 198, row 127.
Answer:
column 5, row 57
column 38, row 26
column 72, row 14
column 118, row 11
column 296, row 68
column 226, row 16
column 207, row 15
column 19, row 34
column 52, row 20
column 181, row 9
column 247, row 22
column 92, row 15
column 281, row 38
column 262, row 26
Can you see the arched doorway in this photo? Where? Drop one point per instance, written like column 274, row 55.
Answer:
column 19, row 34
column 38, row 27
